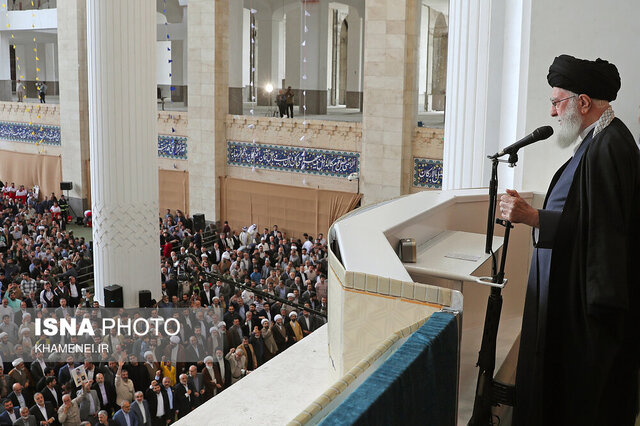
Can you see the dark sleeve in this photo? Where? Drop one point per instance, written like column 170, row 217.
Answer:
column 548, row 221
column 612, row 176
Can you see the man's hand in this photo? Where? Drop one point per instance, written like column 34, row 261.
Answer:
column 516, row 210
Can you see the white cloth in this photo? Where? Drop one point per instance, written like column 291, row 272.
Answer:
column 43, row 410
column 160, row 410
column 142, row 410
column 103, row 392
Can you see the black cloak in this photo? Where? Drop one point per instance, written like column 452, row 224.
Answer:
column 591, row 355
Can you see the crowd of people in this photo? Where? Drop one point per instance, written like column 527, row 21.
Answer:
column 241, row 298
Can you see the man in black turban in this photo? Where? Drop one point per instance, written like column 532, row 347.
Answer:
column 580, row 342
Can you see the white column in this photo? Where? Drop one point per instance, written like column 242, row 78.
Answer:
column 484, row 85
column 74, row 106
column 390, row 86
column 121, row 53
column 354, row 60
column 422, row 54
column 51, row 64
column 264, row 25
column 5, row 67
column 315, row 53
column 208, row 103
column 292, row 55
column 236, row 30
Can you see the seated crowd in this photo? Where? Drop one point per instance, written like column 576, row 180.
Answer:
column 226, row 330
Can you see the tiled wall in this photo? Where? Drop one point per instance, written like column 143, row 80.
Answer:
column 366, row 309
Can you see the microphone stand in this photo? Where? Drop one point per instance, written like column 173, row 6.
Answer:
column 489, row 392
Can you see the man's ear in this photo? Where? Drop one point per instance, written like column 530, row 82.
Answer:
column 584, row 103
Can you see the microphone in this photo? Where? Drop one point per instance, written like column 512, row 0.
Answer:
column 541, row 133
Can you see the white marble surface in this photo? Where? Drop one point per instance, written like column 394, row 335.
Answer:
column 274, row 393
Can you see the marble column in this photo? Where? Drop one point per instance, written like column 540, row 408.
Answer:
column 292, row 50
column 121, row 58
column 354, row 60
column 236, row 29
column 51, row 69
column 484, row 106
column 5, row 68
column 208, row 71
column 264, row 26
column 390, row 95
column 74, row 102
column 313, row 71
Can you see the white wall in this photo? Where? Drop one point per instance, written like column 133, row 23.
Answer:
column 586, row 29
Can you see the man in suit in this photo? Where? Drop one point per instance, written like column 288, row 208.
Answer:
column 26, row 419
column 195, row 379
column 184, row 396
column 140, row 408
column 64, row 374
column 52, row 392
column 124, row 416
column 194, row 352
column 207, row 295
column 38, row 367
column 104, row 420
column 21, row 397
column 43, row 411
column 250, row 323
column 158, row 402
column 90, row 404
column 10, row 414
column 166, row 386
column 236, row 333
column 307, row 323
column 106, row 393
column 252, row 362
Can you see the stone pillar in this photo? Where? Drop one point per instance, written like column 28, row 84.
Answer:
column 236, row 29
column 390, row 93
column 5, row 68
column 292, row 50
column 465, row 164
column 121, row 58
column 264, row 26
column 51, row 69
column 74, row 106
column 208, row 57
column 315, row 53
column 354, row 60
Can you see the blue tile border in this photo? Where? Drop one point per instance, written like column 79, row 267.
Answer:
column 293, row 159
column 172, row 147
column 427, row 173
column 30, row 133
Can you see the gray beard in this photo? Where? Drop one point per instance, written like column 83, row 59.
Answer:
column 569, row 126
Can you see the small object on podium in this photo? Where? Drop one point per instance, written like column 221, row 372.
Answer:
column 407, row 250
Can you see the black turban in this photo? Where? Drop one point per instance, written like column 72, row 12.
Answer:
column 598, row 79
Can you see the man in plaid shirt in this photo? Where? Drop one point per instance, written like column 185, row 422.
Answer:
column 28, row 284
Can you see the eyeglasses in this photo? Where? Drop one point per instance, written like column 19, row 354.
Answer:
column 554, row 102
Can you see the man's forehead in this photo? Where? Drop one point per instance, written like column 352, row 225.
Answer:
column 558, row 92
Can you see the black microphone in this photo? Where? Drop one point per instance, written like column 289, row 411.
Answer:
column 538, row 134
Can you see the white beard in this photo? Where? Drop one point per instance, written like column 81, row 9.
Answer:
column 210, row 370
column 570, row 124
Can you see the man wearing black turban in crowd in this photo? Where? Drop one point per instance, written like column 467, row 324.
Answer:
column 579, row 350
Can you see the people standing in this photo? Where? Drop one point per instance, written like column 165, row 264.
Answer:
column 289, row 95
column 42, row 91
column 20, row 90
